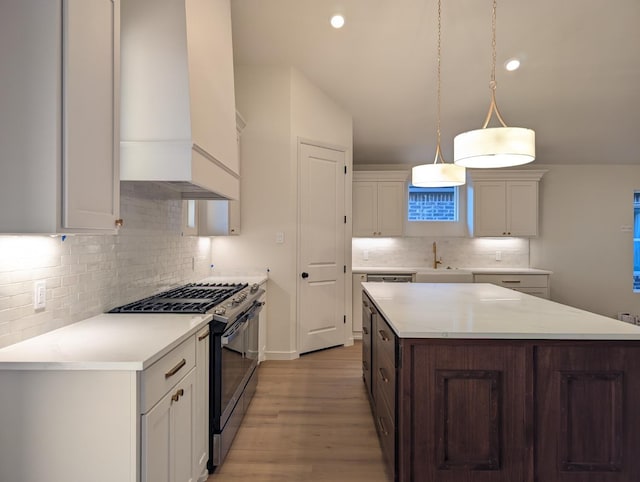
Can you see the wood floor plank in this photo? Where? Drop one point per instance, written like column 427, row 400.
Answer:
column 309, row 421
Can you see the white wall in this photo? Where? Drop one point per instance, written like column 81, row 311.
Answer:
column 279, row 105
column 87, row 275
column 582, row 210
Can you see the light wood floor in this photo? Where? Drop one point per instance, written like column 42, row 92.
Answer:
column 309, row 421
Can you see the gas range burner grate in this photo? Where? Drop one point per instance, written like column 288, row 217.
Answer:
column 191, row 298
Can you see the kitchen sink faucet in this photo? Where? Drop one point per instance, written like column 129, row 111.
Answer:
column 436, row 261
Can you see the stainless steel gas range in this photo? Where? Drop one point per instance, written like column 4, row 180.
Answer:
column 234, row 349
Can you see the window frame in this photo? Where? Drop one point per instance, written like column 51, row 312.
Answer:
column 438, row 228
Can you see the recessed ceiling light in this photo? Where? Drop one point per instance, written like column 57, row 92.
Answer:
column 512, row 64
column 337, row 21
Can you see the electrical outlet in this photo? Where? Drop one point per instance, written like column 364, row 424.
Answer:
column 498, row 255
column 280, row 237
column 365, row 255
column 40, row 295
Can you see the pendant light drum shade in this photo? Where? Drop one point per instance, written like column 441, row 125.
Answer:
column 495, row 147
column 438, row 175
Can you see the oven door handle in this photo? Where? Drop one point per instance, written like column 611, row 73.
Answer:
column 232, row 333
column 240, row 324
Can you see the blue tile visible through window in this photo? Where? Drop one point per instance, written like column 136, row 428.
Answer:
column 636, row 241
column 433, row 204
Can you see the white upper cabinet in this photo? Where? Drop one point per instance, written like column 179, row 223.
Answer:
column 378, row 203
column 178, row 101
column 503, row 203
column 59, row 131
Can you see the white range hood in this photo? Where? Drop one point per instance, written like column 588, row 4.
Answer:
column 178, row 118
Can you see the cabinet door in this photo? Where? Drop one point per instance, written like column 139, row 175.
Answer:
column 201, row 431
column 522, row 208
column 168, row 435
column 156, row 442
column 365, row 208
column 391, row 208
column 466, row 418
column 218, row 218
column 489, row 210
column 587, row 423
column 182, row 438
column 90, row 114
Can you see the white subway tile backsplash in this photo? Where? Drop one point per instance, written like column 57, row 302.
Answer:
column 455, row 252
column 87, row 275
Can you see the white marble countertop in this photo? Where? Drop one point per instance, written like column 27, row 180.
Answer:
column 110, row 341
column 483, row 310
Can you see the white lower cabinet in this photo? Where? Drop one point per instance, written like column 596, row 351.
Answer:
column 169, row 426
column 109, row 424
column 532, row 284
column 168, row 435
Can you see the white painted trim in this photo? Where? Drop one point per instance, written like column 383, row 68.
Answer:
column 381, row 176
column 281, row 355
column 505, row 174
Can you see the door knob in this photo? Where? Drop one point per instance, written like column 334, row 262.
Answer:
column 305, row 274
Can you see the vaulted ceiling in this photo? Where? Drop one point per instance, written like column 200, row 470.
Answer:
column 578, row 86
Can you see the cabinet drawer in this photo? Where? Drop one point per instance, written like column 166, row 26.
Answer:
column 385, row 374
column 384, row 339
column 385, row 425
column 514, row 280
column 163, row 375
column 539, row 292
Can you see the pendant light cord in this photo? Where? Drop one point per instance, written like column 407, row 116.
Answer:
column 438, row 150
column 493, row 107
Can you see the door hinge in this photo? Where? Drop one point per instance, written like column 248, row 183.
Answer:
column 344, row 319
column 345, row 220
column 345, row 169
column 344, row 268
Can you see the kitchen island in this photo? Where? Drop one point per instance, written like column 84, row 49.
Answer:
column 474, row 382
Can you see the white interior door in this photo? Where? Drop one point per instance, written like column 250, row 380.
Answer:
column 321, row 249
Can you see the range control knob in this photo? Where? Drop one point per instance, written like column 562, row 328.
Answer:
column 254, row 287
column 220, row 311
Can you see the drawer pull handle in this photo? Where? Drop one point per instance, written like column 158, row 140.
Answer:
column 365, row 330
column 203, row 336
column 505, row 281
column 383, row 335
column 382, row 428
column 176, row 396
column 384, row 379
column 175, row 369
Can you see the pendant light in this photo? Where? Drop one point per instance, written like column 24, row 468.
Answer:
column 440, row 173
column 496, row 146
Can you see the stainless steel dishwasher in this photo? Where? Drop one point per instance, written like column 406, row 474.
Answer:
column 390, row 278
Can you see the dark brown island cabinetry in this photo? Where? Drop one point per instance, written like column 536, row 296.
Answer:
column 504, row 410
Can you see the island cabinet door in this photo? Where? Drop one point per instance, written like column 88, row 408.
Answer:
column 588, row 421
column 463, row 412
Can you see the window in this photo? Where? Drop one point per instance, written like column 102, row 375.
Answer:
column 433, row 204
column 636, row 242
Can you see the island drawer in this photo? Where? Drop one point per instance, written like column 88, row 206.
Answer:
column 385, row 381
column 385, row 339
column 164, row 374
column 385, row 426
